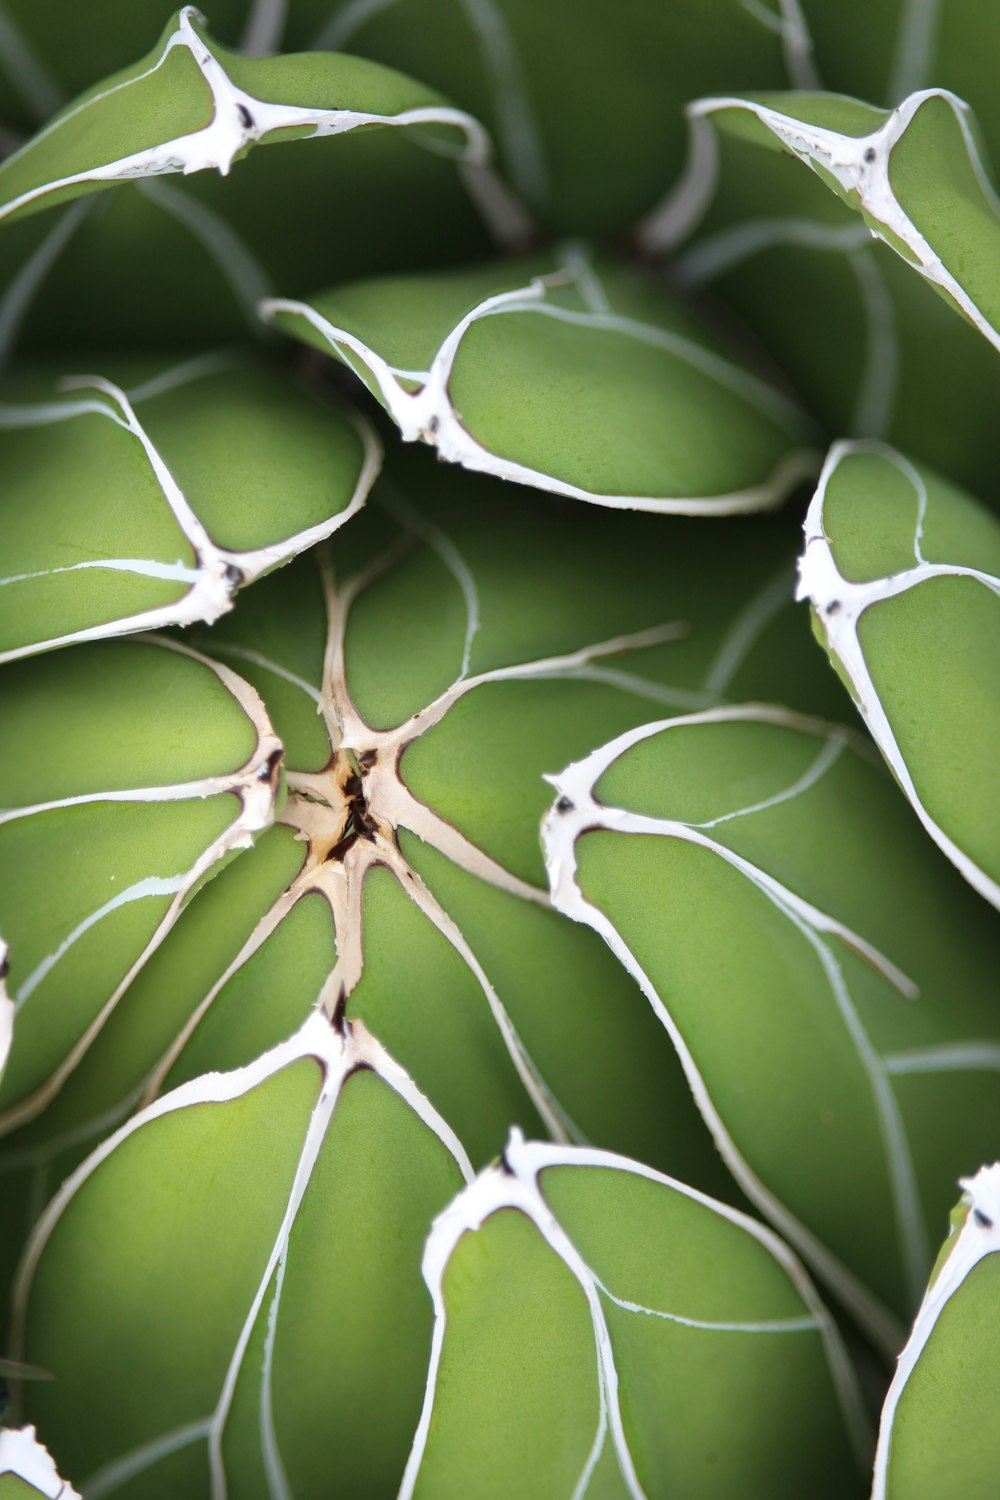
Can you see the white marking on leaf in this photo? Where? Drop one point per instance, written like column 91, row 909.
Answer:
column 22, row 1456
column 515, row 1183
column 559, row 834
column 978, row 1237
column 840, row 602
column 427, row 414
column 859, row 164
column 219, row 571
column 240, row 119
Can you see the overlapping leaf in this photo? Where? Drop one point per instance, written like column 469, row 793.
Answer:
column 601, row 1329
column 456, row 648
column 903, row 573
column 191, row 106
column 894, row 47
column 130, row 509
column 129, row 771
column 584, row 101
column 915, row 174
column 825, row 975
column 853, row 327
column 307, row 1181
column 940, row 1433
column 581, row 379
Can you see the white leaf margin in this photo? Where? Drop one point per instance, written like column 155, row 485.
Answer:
column 514, row 1183
column 577, row 810
column 218, row 572
column 23, row 1457
column 978, row 1237
column 428, row 415
column 860, row 164
column 341, row 1049
column 255, row 784
column 240, row 120
column 839, row 604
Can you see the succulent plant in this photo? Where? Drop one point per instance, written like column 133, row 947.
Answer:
column 500, row 967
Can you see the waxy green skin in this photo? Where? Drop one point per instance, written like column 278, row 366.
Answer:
column 262, row 1076
column 786, row 937
column 903, row 574
column 147, row 501
column 939, row 1417
column 525, row 371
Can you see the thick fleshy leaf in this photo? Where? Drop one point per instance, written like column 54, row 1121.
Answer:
column 192, row 106
column 27, row 1469
column 915, row 174
column 305, row 1182
column 903, row 573
column 578, row 378
column 853, row 328
column 894, row 47
column 584, row 100
column 129, row 770
column 940, row 1434
column 602, row 1329
column 128, row 509
column 406, row 871
column 824, row 973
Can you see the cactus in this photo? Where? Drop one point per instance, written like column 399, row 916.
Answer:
column 498, row 817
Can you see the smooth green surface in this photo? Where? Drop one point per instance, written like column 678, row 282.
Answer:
column 932, row 658
column 165, row 97
column 618, row 409
column 355, row 1312
column 937, row 185
column 789, row 1048
column 121, row 1302
column 945, row 1432
column 257, row 458
column 516, row 1406
column 117, row 716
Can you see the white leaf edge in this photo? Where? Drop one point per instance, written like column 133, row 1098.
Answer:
column 239, row 120
column 255, row 784
column 427, row 415
column 576, row 810
column 341, row 1050
column 839, row 604
column 25, row 1458
column 978, row 1237
column 218, row 572
column 860, row 164
column 514, row 1183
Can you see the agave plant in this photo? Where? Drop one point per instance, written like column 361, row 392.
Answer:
column 486, row 1013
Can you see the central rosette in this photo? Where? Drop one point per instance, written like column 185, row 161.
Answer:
column 331, row 809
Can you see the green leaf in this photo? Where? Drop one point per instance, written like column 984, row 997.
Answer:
column 823, row 973
column 573, row 377
column 406, row 867
column 139, row 508
column 27, row 1469
column 129, row 772
column 903, row 573
column 192, row 106
column 915, row 174
column 583, row 100
column 672, row 1344
column 310, row 1176
column 939, row 1432
column 852, row 327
